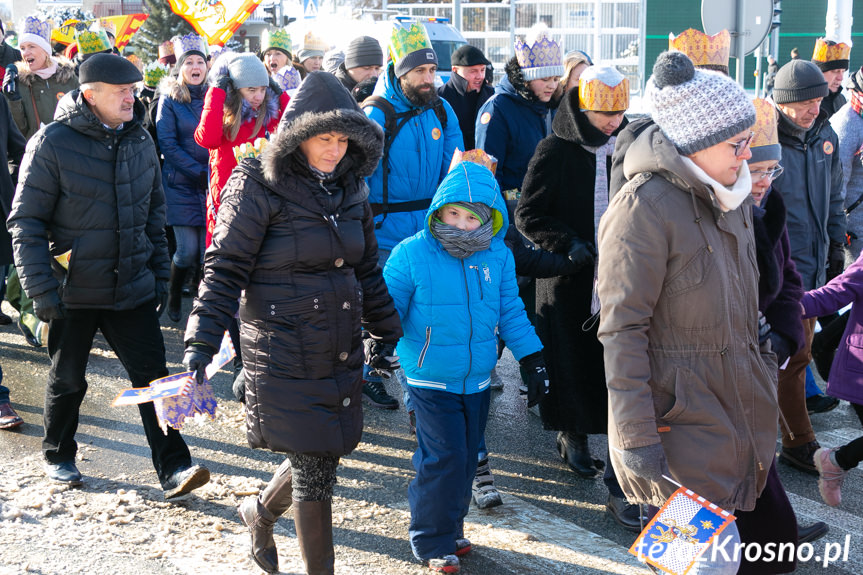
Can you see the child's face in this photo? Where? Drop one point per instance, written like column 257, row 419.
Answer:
column 459, row 218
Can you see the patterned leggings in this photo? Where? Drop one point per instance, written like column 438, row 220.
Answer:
column 313, row 477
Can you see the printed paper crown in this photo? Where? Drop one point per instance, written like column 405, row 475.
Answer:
column 166, row 48
column 33, row 25
column 250, row 150
column 288, row 78
column 539, row 56
column 702, row 49
column 603, row 89
column 188, row 43
column 106, row 25
column 407, row 38
column 92, row 42
column 765, row 130
column 473, row 156
column 278, row 38
column 312, row 42
column 154, row 72
column 825, row 53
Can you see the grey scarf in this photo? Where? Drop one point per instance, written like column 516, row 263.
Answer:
column 460, row 243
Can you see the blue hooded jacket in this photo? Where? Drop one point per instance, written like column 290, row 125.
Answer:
column 418, row 160
column 451, row 308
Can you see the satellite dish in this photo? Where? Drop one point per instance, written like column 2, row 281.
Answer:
column 718, row 15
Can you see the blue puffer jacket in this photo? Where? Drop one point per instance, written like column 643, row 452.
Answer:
column 418, row 160
column 449, row 307
column 509, row 127
column 185, row 168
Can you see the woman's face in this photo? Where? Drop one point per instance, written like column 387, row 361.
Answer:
column 605, row 122
column 544, row 87
column 574, row 76
column 761, row 181
column 193, row 70
column 458, row 217
column 313, row 64
column 275, row 60
column 325, row 151
column 722, row 161
column 254, row 95
column 35, row 57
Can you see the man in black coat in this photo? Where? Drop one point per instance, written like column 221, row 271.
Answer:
column 88, row 232
column 466, row 91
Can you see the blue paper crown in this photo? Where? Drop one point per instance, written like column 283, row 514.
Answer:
column 32, row 25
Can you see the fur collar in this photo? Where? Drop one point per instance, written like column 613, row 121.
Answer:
column 272, row 111
column 65, row 71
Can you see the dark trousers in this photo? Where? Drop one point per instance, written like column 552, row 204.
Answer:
column 449, row 428
column 792, row 394
column 136, row 338
column 850, row 455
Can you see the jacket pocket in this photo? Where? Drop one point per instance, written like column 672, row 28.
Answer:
column 425, row 348
column 693, row 296
column 854, row 359
column 297, row 337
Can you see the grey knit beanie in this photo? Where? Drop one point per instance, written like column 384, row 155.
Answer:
column 694, row 108
column 246, row 71
column 363, row 51
column 798, row 81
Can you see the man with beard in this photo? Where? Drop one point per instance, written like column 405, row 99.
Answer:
column 421, row 133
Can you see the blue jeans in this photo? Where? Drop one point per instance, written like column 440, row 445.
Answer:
column 190, row 245
column 812, row 388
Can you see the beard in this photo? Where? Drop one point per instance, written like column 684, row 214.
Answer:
column 417, row 96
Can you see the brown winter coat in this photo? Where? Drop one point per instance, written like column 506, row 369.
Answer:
column 39, row 97
column 678, row 283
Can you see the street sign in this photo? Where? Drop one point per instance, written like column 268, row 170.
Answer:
column 310, row 9
column 718, row 15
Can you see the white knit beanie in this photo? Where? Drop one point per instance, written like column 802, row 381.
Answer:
column 696, row 109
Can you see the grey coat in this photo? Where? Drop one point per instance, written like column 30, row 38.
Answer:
column 848, row 126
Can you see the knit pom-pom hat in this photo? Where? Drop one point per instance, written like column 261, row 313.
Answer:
column 696, row 109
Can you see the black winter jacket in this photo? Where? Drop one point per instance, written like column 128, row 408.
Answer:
column 302, row 252
column 12, row 145
column 98, row 193
column 465, row 104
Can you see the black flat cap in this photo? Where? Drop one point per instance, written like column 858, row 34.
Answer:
column 468, row 55
column 109, row 69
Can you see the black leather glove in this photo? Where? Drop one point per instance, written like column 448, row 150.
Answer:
column 161, row 296
column 381, row 357
column 274, row 86
column 835, row 260
column 647, row 462
column 223, row 82
column 537, row 377
column 780, row 346
column 10, row 82
column 581, row 253
column 196, row 358
column 48, row 306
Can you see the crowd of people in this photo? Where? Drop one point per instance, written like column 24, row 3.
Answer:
column 348, row 222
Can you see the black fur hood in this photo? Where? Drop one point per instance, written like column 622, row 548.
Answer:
column 516, row 78
column 322, row 104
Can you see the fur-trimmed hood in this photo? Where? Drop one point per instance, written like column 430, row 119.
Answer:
column 520, row 85
column 65, row 71
column 322, row 105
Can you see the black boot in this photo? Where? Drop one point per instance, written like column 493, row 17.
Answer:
column 313, row 521
column 175, row 293
column 573, row 449
column 261, row 513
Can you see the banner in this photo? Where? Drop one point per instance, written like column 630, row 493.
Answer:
column 215, row 20
column 126, row 26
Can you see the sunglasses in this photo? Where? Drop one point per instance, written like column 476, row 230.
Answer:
column 759, row 175
column 741, row 145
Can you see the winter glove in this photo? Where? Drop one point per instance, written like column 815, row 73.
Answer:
column 381, row 357
column 196, row 358
column 161, row 296
column 763, row 329
column 48, row 306
column 647, row 462
column 537, row 377
column 274, row 86
column 581, row 253
column 10, row 82
column 780, row 346
column 835, row 260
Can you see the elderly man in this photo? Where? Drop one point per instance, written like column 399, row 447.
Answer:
column 88, row 232
column 466, row 90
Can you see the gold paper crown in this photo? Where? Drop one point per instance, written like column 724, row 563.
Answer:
column 597, row 96
column 250, row 150
column 702, row 49
column 765, row 129
column 406, row 39
column 278, row 38
column 825, row 53
column 154, row 72
column 106, row 25
column 475, row 157
column 312, row 42
column 93, row 42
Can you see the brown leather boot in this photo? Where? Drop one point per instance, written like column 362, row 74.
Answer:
column 313, row 521
column 261, row 513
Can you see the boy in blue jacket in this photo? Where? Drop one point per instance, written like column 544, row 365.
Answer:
column 454, row 286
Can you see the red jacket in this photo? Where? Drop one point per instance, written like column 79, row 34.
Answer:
column 210, row 134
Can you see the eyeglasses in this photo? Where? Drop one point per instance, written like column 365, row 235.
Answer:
column 741, row 145
column 771, row 174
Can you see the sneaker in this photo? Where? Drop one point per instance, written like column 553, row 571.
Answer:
column 801, row 456
column 484, row 493
column 445, row 564
column 462, row 546
column 830, row 477
column 820, row 403
column 375, row 394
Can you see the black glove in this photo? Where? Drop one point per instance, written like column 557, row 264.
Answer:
column 274, row 86
column 196, row 358
column 381, row 357
column 537, row 377
column 581, row 253
column 835, row 260
column 10, row 82
column 647, row 462
column 763, row 329
column 780, row 346
column 161, row 296
column 223, row 82
column 48, row 306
